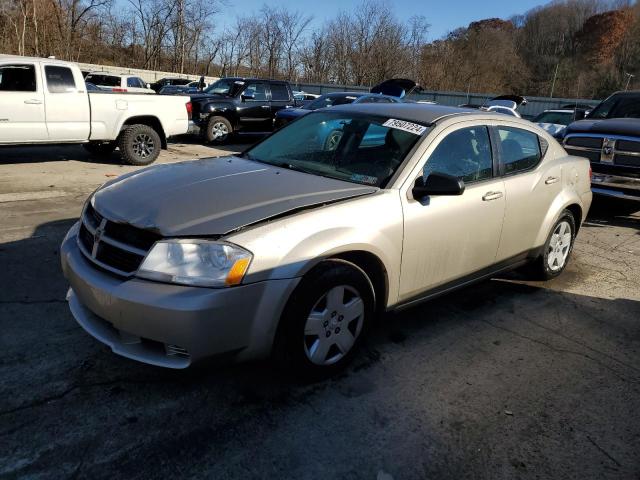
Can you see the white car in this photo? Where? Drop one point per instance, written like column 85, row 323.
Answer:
column 46, row 101
column 119, row 83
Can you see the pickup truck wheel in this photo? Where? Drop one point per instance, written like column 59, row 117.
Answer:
column 324, row 320
column 557, row 249
column 139, row 144
column 218, row 130
column 100, row 149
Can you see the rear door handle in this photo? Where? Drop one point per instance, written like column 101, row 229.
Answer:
column 487, row 197
column 33, row 101
column 551, row 180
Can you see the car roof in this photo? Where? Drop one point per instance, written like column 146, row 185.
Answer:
column 16, row 58
column 415, row 112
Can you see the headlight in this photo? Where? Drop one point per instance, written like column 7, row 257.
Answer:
column 201, row 263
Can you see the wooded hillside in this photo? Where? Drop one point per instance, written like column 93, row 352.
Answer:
column 569, row 48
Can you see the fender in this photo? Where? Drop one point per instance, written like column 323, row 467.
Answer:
column 223, row 109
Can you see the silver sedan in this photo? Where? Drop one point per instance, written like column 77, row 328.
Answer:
column 292, row 248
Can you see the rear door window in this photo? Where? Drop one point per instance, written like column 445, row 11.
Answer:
column 59, row 79
column 520, row 149
column 17, row 78
column 135, row 82
column 279, row 92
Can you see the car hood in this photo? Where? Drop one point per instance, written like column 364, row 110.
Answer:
column 214, row 196
column 613, row 126
column 554, row 129
column 292, row 112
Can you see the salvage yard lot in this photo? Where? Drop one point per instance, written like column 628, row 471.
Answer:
column 504, row 379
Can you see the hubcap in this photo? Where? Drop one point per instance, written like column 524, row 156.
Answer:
column 559, row 246
column 143, row 145
column 334, row 324
column 219, row 130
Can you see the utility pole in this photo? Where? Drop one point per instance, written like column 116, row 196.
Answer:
column 553, row 84
column 629, row 77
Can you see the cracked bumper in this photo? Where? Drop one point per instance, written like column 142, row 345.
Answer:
column 172, row 325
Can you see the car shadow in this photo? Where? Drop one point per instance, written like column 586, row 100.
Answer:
column 55, row 374
column 609, row 211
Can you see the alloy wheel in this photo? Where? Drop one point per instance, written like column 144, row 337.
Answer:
column 559, row 246
column 143, row 145
column 219, row 130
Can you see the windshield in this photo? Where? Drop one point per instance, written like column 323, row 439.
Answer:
column 364, row 149
column 558, row 118
column 622, row 105
column 224, row 86
column 330, row 101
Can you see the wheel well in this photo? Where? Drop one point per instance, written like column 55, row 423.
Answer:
column 152, row 122
column 576, row 211
column 375, row 270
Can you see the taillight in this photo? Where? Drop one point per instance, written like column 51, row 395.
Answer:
column 118, row 89
column 590, row 173
column 189, row 110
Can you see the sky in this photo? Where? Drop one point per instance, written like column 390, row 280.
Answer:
column 443, row 16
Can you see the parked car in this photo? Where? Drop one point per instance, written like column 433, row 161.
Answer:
column 292, row 248
column 118, row 83
column 156, row 86
column 301, row 96
column 237, row 105
column 555, row 121
column 47, row 101
column 505, row 104
column 287, row 115
column 194, row 87
column 389, row 91
column 610, row 138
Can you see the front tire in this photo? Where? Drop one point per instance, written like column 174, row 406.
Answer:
column 325, row 320
column 557, row 249
column 139, row 145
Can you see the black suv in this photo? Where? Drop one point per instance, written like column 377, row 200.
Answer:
column 239, row 105
column 610, row 138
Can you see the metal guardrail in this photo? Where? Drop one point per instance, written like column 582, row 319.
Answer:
column 534, row 106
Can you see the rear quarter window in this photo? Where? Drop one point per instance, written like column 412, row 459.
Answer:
column 59, row 79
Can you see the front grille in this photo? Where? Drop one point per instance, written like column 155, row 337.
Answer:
column 116, row 247
column 628, row 146
column 627, row 160
column 587, row 142
column 592, row 156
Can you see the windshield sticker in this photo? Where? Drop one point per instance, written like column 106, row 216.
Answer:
column 405, row 126
column 364, row 179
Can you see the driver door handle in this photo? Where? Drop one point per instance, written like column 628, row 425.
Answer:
column 265, row 106
column 551, row 180
column 33, row 101
column 487, row 197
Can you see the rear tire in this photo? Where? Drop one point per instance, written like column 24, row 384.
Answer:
column 100, row 149
column 218, row 130
column 557, row 249
column 139, row 145
column 324, row 321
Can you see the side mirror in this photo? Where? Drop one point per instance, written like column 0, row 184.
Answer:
column 149, row 86
column 437, row 183
column 248, row 96
column 580, row 115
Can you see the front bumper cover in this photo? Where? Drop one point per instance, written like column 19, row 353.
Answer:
column 172, row 325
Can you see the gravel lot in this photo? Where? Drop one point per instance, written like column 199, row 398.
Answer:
column 505, row 379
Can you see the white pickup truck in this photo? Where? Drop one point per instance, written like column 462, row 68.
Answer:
column 46, row 101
